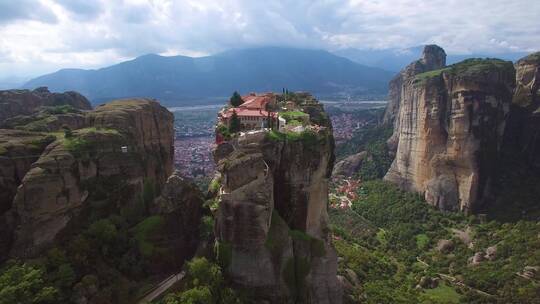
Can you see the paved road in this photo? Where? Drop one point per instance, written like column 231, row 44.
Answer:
column 162, row 287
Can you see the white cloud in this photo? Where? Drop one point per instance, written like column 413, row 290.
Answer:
column 38, row 36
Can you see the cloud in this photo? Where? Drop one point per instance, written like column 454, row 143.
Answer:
column 43, row 35
column 11, row 11
column 83, row 9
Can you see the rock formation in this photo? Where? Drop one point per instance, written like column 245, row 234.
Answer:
column 180, row 205
column 522, row 134
column 433, row 58
column 350, row 165
column 450, row 126
column 272, row 227
column 126, row 143
column 25, row 102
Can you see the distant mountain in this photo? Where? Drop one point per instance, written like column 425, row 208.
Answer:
column 396, row 59
column 11, row 82
column 183, row 78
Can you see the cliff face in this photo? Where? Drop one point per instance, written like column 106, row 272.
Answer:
column 451, row 123
column 272, row 227
column 433, row 58
column 180, row 206
column 25, row 102
column 76, row 170
column 522, row 134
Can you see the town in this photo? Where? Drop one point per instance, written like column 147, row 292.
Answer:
column 195, row 128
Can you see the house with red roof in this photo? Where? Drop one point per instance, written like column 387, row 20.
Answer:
column 254, row 113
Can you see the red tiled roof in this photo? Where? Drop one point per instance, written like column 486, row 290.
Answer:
column 256, row 101
column 248, row 112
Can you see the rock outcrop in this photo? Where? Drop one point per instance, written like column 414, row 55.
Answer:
column 181, row 207
column 433, row 58
column 18, row 151
column 272, row 227
column 25, row 102
column 350, row 165
column 522, row 134
column 450, row 127
column 126, row 144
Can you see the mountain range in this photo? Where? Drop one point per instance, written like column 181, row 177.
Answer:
column 396, row 59
column 179, row 78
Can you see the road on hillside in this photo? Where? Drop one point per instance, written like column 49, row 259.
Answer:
column 162, row 287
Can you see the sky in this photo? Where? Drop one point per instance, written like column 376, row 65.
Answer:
column 42, row 36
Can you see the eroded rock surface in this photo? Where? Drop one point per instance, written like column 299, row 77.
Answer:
column 26, row 102
column 433, row 58
column 350, row 165
column 272, row 227
column 181, row 207
column 128, row 143
column 451, row 123
column 522, row 134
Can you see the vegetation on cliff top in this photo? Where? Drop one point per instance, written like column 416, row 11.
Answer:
column 30, row 141
column 89, row 140
column 467, row 68
column 532, row 58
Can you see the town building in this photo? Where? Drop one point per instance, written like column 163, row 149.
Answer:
column 255, row 113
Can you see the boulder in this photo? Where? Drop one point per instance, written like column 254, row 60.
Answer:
column 445, row 246
column 476, row 259
column 491, row 253
column 350, row 165
column 531, row 272
column 353, row 278
column 428, row 282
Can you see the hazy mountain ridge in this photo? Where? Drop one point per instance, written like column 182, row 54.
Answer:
column 396, row 59
column 259, row 69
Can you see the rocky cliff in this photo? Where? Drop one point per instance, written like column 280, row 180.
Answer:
column 451, row 123
column 272, row 227
column 522, row 134
column 181, row 207
column 25, row 102
column 433, row 58
column 124, row 144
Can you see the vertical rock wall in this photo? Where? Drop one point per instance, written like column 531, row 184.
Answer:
column 450, row 124
column 272, row 226
column 522, row 134
column 433, row 58
column 69, row 170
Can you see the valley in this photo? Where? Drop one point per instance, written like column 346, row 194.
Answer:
column 279, row 197
column 269, row 152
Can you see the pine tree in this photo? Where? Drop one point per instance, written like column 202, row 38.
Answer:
column 236, row 99
column 234, row 125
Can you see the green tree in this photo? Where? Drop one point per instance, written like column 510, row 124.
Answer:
column 25, row 284
column 197, row 295
column 236, row 99
column 65, row 276
column 234, row 125
column 67, row 132
column 207, row 286
column 205, row 273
